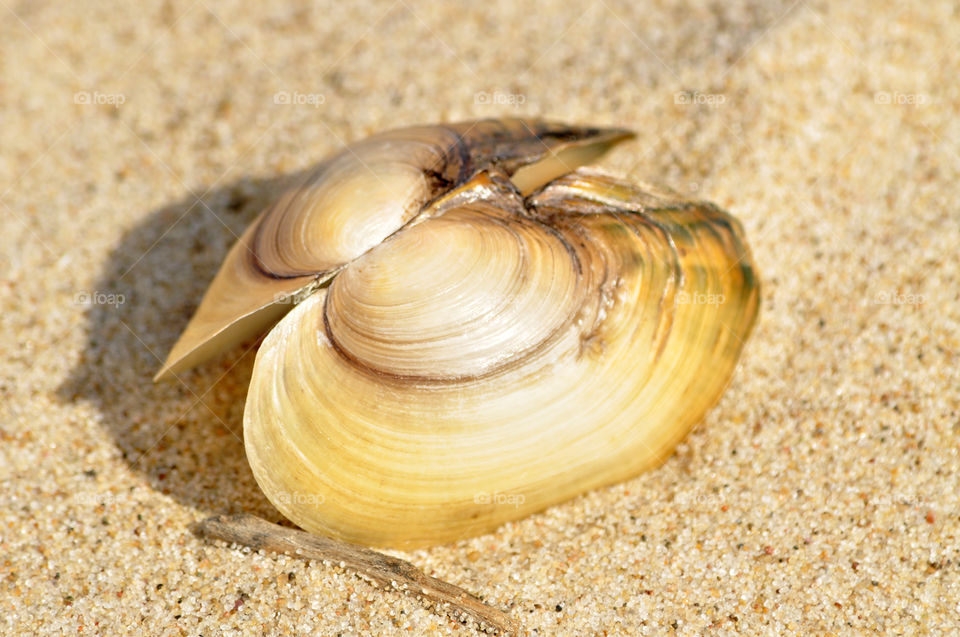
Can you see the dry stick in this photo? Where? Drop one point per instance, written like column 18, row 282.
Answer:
column 257, row 533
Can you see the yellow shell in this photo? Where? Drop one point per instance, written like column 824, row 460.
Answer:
column 482, row 329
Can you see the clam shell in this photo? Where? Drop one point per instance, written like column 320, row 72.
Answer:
column 356, row 199
column 481, row 346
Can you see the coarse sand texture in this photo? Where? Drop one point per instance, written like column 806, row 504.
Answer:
column 818, row 497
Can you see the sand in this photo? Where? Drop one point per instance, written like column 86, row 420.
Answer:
column 818, row 497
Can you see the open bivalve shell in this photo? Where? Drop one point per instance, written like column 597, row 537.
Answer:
column 481, row 329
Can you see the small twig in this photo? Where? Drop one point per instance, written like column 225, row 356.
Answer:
column 383, row 569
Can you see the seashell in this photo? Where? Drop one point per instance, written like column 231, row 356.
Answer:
column 482, row 328
column 356, row 199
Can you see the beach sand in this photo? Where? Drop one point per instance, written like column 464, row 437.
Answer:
column 818, row 497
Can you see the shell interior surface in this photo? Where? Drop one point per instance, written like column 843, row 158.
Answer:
column 504, row 348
